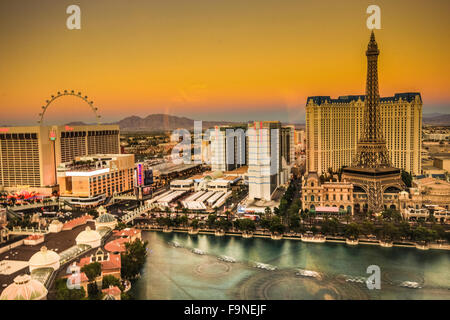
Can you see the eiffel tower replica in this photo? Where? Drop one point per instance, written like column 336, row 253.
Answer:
column 371, row 168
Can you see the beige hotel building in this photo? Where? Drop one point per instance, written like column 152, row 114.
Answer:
column 90, row 179
column 333, row 127
column 29, row 155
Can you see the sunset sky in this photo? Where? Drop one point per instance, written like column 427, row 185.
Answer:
column 214, row 59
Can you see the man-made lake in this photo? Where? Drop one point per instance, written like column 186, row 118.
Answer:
column 177, row 273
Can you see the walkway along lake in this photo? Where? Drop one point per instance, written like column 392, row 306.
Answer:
column 175, row 272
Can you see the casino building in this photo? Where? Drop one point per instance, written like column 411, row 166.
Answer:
column 88, row 180
column 334, row 126
column 29, row 156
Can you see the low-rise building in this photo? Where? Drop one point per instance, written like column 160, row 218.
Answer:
column 343, row 195
column 89, row 180
column 425, row 192
column 111, row 263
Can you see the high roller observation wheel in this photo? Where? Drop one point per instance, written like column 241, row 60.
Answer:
column 68, row 93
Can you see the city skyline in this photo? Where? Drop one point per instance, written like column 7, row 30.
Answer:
column 146, row 58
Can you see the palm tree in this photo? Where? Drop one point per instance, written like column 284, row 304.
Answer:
column 267, row 211
column 352, row 231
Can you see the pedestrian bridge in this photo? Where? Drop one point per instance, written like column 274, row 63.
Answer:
column 124, row 197
column 131, row 215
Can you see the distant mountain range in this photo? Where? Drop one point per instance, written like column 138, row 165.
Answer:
column 165, row 122
column 437, row 119
column 160, row 122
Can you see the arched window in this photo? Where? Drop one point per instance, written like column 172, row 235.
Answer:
column 312, row 198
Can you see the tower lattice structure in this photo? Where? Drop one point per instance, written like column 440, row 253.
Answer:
column 371, row 151
column 372, row 169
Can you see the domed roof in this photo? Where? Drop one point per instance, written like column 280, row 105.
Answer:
column 44, row 257
column 88, row 235
column 56, row 222
column 101, row 210
column 105, row 218
column 24, row 288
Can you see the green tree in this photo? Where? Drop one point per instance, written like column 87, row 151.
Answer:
column 352, row 231
column 389, row 232
column 405, row 230
column 133, row 259
column 194, row 224
column 276, row 211
column 424, row 235
column 110, row 280
column 330, row 226
column 164, row 221
column 391, row 215
column 367, row 228
column 212, row 220
column 121, row 226
column 265, row 223
column 92, row 270
column 93, row 292
column 223, row 224
column 246, row 225
column 64, row 293
column 440, row 232
column 276, row 226
column 184, row 220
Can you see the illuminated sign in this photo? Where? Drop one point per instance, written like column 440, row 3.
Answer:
column 4, row 129
column 68, row 128
column 52, row 135
column 139, row 174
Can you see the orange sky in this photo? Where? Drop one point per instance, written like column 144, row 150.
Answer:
column 221, row 60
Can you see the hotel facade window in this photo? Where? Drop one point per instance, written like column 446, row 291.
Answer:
column 333, row 127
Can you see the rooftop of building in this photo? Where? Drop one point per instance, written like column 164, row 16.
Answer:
column 60, row 128
column 111, row 261
column 238, row 171
column 128, row 232
column 57, row 242
column 432, row 182
column 117, row 245
column 319, row 100
column 104, row 157
column 112, row 291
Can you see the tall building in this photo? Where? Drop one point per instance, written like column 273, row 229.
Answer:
column 88, row 180
column 29, row 155
column 371, row 170
column 270, row 154
column 371, row 182
column 229, row 148
column 334, row 126
column 79, row 141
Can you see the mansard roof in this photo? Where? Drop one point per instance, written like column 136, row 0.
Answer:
column 319, row 100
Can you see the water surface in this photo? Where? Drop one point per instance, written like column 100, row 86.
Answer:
column 178, row 273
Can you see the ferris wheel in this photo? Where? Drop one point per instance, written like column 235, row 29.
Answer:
column 68, row 93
